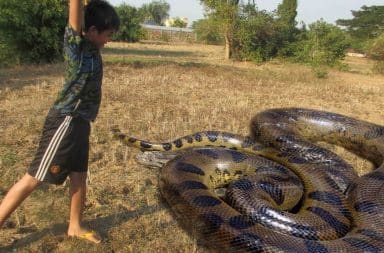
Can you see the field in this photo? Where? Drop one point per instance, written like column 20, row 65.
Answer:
column 156, row 92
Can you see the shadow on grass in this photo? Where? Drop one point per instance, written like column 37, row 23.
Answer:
column 146, row 52
column 28, row 74
column 148, row 63
column 103, row 225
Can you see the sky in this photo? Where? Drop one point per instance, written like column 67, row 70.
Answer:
column 309, row 11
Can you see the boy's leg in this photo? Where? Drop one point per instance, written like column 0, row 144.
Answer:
column 16, row 195
column 78, row 196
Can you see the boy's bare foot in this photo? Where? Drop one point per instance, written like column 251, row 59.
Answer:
column 91, row 236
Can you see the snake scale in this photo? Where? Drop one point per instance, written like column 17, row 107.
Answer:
column 288, row 194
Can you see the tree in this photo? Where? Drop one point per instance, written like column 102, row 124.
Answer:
column 224, row 12
column 287, row 12
column 178, row 22
column 156, row 11
column 32, row 29
column 256, row 35
column 286, row 18
column 207, row 31
column 130, row 19
column 324, row 44
column 367, row 23
column 377, row 48
column 376, row 51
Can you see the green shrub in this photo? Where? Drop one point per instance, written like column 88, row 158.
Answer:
column 323, row 44
column 207, row 31
column 33, row 29
column 178, row 22
column 376, row 48
column 130, row 19
column 376, row 52
column 8, row 54
column 255, row 38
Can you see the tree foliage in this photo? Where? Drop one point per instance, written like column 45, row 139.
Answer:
column 287, row 12
column 225, row 13
column 259, row 36
column 32, row 30
column 207, row 31
column 323, row 44
column 286, row 25
column 156, row 11
column 130, row 19
column 178, row 22
column 245, row 29
column 377, row 48
column 376, row 51
column 255, row 36
column 367, row 23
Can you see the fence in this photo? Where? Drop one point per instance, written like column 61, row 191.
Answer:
column 169, row 34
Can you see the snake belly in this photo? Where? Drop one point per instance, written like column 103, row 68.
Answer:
column 284, row 193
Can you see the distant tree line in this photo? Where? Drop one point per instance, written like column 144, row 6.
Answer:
column 252, row 34
column 32, row 30
column 366, row 30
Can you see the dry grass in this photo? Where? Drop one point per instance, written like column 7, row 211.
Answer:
column 156, row 92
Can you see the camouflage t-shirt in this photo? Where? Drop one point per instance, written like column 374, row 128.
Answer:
column 81, row 94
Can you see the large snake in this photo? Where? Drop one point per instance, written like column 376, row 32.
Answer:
column 290, row 194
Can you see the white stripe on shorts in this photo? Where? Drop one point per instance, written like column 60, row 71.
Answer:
column 52, row 149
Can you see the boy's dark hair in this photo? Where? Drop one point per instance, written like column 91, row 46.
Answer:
column 102, row 15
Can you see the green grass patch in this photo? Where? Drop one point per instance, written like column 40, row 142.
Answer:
column 149, row 62
column 9, row 158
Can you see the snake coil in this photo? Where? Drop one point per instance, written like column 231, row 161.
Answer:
column 283, row 193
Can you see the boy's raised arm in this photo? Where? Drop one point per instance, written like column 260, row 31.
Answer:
column 76, row 15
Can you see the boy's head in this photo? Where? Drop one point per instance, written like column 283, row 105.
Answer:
column 100, row 22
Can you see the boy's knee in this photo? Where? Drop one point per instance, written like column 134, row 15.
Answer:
column 78, row 177
column 30, row 182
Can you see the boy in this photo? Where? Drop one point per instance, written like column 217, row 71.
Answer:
column 63, row 148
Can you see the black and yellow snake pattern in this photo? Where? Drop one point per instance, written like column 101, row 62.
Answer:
column 290, row 195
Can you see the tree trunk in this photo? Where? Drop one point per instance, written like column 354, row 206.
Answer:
column 227, row 48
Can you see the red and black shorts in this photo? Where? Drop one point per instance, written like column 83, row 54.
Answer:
column 63, row 148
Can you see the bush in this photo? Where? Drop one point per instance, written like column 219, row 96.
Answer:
column 32, row 30
column 207, row 31
column 255, row 38
column 130, row 19
column 178, row 22
column 8, row 54
column 323, row 44
column 376, row 52
column 376, row 49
